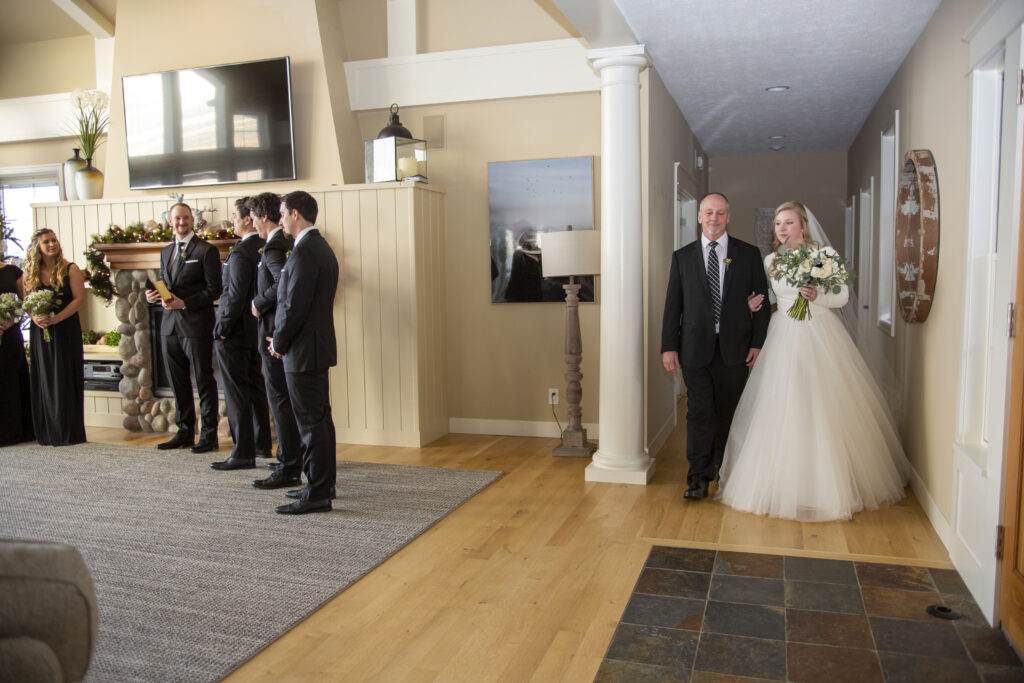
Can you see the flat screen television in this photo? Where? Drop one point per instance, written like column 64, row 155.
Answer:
column 230, row 123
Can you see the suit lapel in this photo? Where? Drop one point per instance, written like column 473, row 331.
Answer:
column 728, row 271
column 702, row 266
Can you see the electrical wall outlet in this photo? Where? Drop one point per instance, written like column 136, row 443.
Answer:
column 553, row 396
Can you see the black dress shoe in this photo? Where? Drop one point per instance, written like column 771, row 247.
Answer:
column 264, row 454
column 302, row 506
column 697, row 491
column 234, row 464
column 277, row 480
column 205, row 446
column 273, row 466
column 297, row 493
column 180, row 440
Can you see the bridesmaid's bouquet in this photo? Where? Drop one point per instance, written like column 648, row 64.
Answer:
column 10, row 307
column 41, row 302
column 812, row 266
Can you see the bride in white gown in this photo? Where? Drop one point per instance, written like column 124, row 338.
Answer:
column 812, row 438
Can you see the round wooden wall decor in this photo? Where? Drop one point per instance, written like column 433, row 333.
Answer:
column 917, row 235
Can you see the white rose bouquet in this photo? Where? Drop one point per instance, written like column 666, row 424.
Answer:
column 10, row 308
column 90, row 119
column 811, row 266
column 41, row 302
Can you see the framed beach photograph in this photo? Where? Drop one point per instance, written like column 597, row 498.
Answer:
column 527, row 199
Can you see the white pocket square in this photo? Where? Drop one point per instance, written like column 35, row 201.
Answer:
column 192, row 260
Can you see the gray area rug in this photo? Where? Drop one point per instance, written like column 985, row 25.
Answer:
column 194, row 571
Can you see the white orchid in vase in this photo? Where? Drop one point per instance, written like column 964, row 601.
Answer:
column 90, row 119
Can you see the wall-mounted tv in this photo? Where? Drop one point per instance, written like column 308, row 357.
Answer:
column 230, row 123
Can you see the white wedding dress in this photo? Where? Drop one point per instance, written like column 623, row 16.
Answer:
column 812, row 438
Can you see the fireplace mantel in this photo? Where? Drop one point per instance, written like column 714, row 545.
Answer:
column 142, row 255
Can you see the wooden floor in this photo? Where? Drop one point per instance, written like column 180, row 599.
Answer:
column 527, row 580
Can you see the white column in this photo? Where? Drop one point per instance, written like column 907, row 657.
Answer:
column 621, row 457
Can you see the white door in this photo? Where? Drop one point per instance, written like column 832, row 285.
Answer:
column 997, row 132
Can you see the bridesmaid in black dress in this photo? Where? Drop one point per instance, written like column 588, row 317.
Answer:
column 58, row 388
column 15, row 407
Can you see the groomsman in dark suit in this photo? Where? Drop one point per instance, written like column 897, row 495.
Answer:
column 266, row 214
column 235, row 341
column 709, row 332
column 191, row 270
column 304, row 338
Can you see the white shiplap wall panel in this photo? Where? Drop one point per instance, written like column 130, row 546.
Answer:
column 389, row 385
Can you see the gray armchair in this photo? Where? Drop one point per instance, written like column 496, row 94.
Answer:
column 48, row 617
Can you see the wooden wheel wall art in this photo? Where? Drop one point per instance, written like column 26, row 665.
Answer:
column 917, row 235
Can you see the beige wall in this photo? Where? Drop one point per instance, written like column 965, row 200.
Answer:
column 503, row 357
column 463, row 24
column 674, row 142
column 817, row 180
column 931, row 92
column 47, row 66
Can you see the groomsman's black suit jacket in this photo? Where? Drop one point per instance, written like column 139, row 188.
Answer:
column 268, row 277
column 688, row 326
column 196, row 280
column 235, row 321
column 304, row 323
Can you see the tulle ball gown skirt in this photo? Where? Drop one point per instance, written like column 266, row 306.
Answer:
column 812, row 438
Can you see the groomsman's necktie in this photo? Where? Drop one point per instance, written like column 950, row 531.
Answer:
column 179, row 257
column 713, row 282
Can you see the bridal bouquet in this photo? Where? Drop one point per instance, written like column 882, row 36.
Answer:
column 10, row 307
column 811, row 266
column 41, row 302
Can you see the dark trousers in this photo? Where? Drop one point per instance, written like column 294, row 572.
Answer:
column 186, row 355
column 311, row 401
column 245, row 397
column 289, row 445
column 712, row 392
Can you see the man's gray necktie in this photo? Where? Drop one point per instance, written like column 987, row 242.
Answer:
column 713, row 280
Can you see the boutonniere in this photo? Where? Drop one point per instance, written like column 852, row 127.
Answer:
column 727, row 262
column 260, row 251
column 181, row 254
column 231, row 249
column 288, row 254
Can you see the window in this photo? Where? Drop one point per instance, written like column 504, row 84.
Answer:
column 887, row 226
column 19, row 189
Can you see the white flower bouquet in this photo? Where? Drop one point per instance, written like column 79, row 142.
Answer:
column 811, row 266
column 90, row 118
column 10, row 308
column 41, row 302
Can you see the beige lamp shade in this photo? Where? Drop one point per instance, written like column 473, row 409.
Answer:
column 571, row 252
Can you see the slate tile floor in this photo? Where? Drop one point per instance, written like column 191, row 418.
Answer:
column 709, row 616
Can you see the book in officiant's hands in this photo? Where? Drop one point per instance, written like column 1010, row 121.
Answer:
column 161, row 289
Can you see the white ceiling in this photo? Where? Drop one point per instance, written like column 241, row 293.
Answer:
column 717, row 57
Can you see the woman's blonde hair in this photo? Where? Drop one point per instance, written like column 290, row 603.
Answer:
column 34, row 263
column 802, row 213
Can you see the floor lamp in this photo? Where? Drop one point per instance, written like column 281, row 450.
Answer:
column 572, row 253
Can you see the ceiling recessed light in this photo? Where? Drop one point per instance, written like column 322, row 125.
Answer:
column 776, row 148
column 777, row 137
column 777, row 88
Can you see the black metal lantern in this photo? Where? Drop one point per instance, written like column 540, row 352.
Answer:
column 395, row 154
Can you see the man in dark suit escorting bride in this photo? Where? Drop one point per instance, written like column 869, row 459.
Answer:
column 709, row 333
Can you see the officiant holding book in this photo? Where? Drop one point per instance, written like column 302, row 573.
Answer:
column 191, row 270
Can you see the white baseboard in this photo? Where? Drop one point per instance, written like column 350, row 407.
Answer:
column 939, row 522
column 468, row 425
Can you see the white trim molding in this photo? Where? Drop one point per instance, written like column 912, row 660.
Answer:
column 35, row 118
column 991, row 28
column 548, row 67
